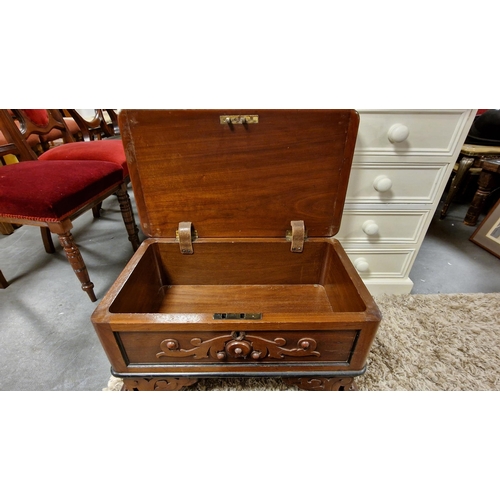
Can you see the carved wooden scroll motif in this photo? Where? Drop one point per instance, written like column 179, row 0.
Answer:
column 157, row 384
column 323, row 383
column 238, row 345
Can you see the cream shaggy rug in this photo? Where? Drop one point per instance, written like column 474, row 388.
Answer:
column 441, row 342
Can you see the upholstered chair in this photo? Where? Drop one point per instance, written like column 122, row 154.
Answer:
column 52, row 193
column 44, row 121
column 23, row 124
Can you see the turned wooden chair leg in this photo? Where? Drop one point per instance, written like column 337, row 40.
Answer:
column 47, row 240
column 76, row 260
column 486, row 183
column 3, row 282
column 128, row 216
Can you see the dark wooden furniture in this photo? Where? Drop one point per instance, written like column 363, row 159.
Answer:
column 241, row 274
column 50, row 194
column 471, row 156
column 488, row 180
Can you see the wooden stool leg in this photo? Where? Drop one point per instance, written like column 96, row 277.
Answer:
column 128, row 216
column 486, row 184
column 77, row 263
column 47, row 240
column 3, row 282
column 463, row 167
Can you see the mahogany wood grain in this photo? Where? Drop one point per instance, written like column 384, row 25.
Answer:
column 210, row 299
column 241, row 181
column 239, row 275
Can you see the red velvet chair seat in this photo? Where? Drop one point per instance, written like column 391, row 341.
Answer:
column 52, row 190
column 106, row 150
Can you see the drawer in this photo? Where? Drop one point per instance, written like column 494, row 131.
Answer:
column 237, row 347
column 383, row 183
column 391, row 226
column 403, row 132
column 383, row 263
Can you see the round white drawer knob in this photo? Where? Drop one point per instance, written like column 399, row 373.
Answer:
column 370, row 227
column 398, row 133
column 382, row 183
column 361, row 265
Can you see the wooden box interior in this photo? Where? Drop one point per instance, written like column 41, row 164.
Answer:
column 240, row 277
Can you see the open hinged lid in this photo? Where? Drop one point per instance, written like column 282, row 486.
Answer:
column 235, row 173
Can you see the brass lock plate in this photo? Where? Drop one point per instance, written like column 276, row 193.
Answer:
column 237, row 316
column 238, row 119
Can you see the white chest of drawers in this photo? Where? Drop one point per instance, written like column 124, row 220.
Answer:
column 402, row 162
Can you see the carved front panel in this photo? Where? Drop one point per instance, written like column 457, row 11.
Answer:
column 237, row 347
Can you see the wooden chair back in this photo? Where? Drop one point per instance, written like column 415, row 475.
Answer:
column 41, row 122
column 113, row 121
column 95, row 128
column 18, row 125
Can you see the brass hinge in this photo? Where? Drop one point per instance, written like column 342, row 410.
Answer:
column 297, row 236
column 185, row 235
